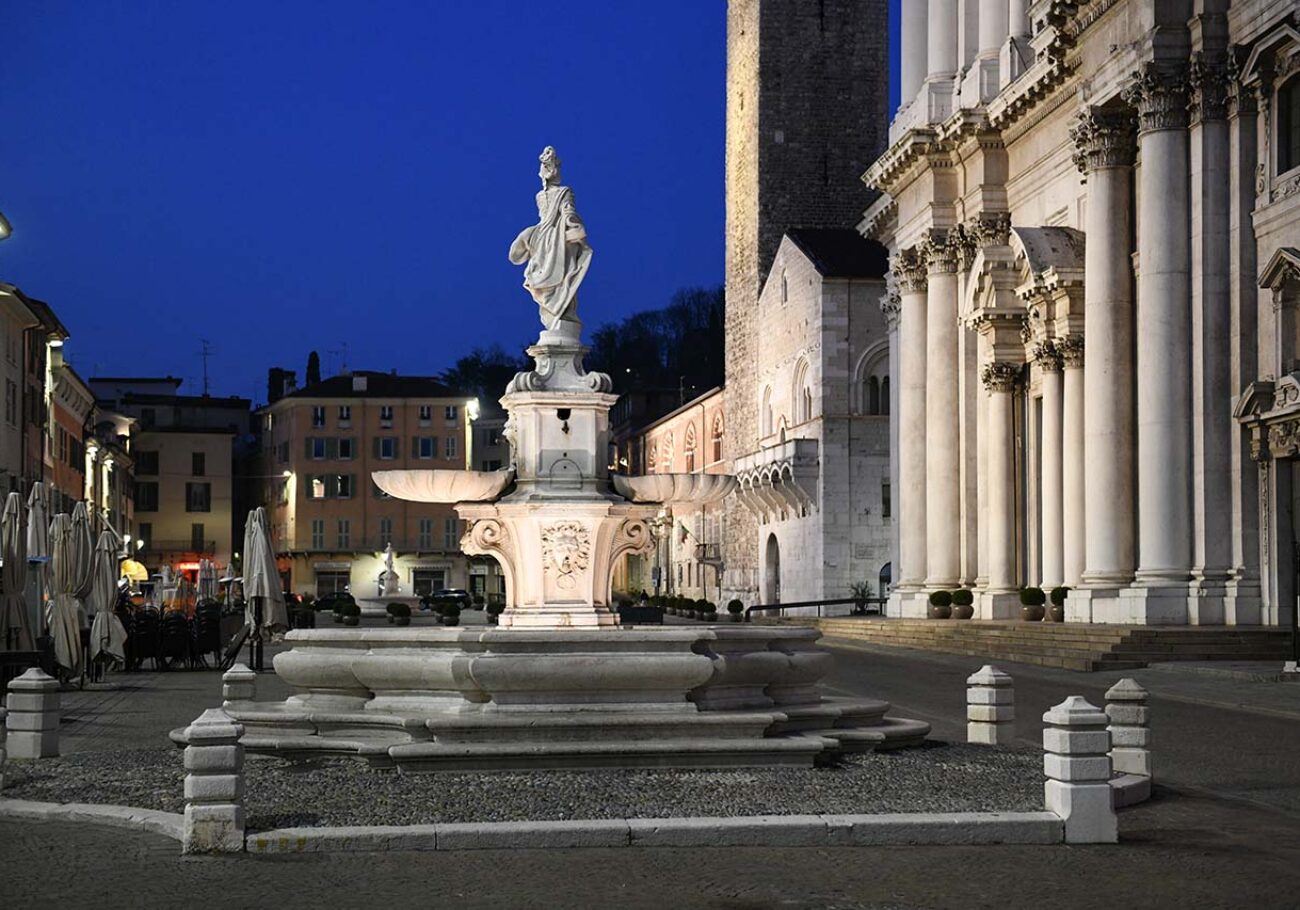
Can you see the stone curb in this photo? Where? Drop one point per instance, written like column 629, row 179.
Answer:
column 763, row 830
column 165, row 823
column 1129, row 790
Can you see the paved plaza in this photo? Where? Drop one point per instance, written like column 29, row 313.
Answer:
column 1222, row 831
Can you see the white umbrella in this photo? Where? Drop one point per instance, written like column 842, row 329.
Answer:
column 261, row 577
column 107, row 635
column 14, row 631
column 83, row 558
column 38, row 545
column 62, row 613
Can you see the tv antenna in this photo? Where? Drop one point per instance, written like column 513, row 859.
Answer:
column 205, row 352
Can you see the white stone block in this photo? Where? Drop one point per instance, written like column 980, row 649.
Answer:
column 1128, row 714
column 1075, row 711
column 982, row 696
column 533, row 835
column 1131, row 761
column 989, row 676
column 213, row 829
column 990, row 713
column 214, row 788
column 1137, row 737
column 32, row 701
column 989, row 734
column 1075, row 742
column 1087, row 810
column 21, row 722
column 1076, row 768
column 26, row 744
column 214, row 759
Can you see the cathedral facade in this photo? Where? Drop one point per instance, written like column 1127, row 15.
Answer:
column 1093, row 215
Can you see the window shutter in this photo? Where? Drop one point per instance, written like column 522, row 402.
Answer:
column 415, row 446
column 331, row 486
column 331, row 448
column 308, row 448
column 375, row 446
column 397, row 447
column 433, row 452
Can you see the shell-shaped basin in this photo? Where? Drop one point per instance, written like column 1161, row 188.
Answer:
column 699, row 489
column 446, row 486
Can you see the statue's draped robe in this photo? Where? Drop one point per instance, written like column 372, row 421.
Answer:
column 557, row 254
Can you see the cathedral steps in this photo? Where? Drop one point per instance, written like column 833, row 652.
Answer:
column 1070, row 646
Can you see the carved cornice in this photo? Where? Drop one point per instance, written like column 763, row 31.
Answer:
column 1070, row 349
column 1000, row 376
column 914, row 146
column 908, row 268
column 1159, row 93
column 891, row 302
column 1102, row 139
column 989, row 229
column 1243, row 100
column 943, row 251
column 1208, row 79
column 1048, row 357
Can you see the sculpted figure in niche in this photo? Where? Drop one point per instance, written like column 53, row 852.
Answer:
column 554, row 252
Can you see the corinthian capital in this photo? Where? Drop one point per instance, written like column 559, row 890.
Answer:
column 1208, row 78
column 990, row 229
column 1102, row 139
column 891, row 303
column 1071, row 350
column 1049, row 357
column 943, row 251
column 908, row 268
column 1159, row 93
column 1000, row 376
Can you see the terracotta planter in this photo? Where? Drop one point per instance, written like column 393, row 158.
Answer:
column 963, row 612
column 1056, row 613
column 937, row 612
column 351, row 620
column 737, row 617
column 1032, row 614
column 401, row 620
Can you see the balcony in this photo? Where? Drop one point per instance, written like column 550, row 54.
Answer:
column 778, row 481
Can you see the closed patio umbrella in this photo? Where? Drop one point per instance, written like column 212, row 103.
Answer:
column 262, row 580
column 107, row 635
column 83, row 558
column 38, row 548
column 15, row 630
column 63, row 613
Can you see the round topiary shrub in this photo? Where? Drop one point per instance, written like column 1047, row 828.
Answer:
column 963, row 597
column 351, row 614
column 941, row 598
column 451, row 614
column 735, row 606
column 1058, row 595
column 1032, row 597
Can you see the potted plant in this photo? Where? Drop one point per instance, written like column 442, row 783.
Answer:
column 940, row 604
column 494, row 610
column 1031, row 604
column 737, row 610
column 351, row 613
column 963, row 603
column 1056, row 612
column 451, row 614
column 399, row 614
column 708, row 610
column 479, row 601
column 860, row 591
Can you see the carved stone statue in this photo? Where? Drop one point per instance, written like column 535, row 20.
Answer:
column 554, row 252
column 388, row 577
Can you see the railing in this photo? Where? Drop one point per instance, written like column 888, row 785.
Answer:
column 205, row 547
column 860, row 606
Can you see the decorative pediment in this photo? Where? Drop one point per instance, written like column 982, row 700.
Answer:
column 1282, row 266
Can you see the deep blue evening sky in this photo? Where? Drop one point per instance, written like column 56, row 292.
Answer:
column 277, row 177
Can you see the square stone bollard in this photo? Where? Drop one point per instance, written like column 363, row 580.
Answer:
column 990, row 707
column 33, row 715
column 1077, row 765
column 214, row 785
column 3, row 755
column 1130, row 731
column 238, row 684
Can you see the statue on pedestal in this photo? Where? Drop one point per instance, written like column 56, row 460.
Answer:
column 554, row 252
column 388, row 578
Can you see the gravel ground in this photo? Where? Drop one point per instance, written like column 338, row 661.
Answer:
column 932, row 778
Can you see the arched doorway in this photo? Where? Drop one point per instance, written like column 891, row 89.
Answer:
column 772, row 572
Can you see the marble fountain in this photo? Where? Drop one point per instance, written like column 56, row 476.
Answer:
column 559, row 682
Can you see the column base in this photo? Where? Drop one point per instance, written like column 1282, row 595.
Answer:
column 1164, row 605
column 1242, row 602
column 1205, row 600
column 998, row 605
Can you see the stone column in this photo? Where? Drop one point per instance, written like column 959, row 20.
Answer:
column 891, row 306
column 941, row 47
column 1212, row 424
column 1000, row 381
column 1053, row 558
column 1105, row 154
column 990, row 707
column 1077, row 765
column 1073, row 500
column 992, row 36
column 915, row 59
column 909, row 271
column 942, row 445
column 32, row 720
column 214, row 785
column 1242, row 603
column 1018, row 18
column 1164, row 380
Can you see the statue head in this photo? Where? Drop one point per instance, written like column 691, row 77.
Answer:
column 550, row 169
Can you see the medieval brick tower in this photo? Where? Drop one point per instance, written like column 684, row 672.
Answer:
column 807, row 112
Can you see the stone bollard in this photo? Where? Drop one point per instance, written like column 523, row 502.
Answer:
column 1130, row 735
column 990, row 707
column 3, row 714
column 1077, row 765
column 238, row 684
column 33, row 721
column 214, row 785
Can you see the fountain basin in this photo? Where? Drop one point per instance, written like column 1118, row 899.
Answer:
column 444, row 486
column 675, row 489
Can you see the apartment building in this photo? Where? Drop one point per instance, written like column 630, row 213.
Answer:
column 330, row 523
column 183, row 451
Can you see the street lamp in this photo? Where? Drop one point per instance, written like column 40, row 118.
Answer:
column 5, row 227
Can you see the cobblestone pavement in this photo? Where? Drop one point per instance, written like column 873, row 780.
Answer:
column 1223, row 830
